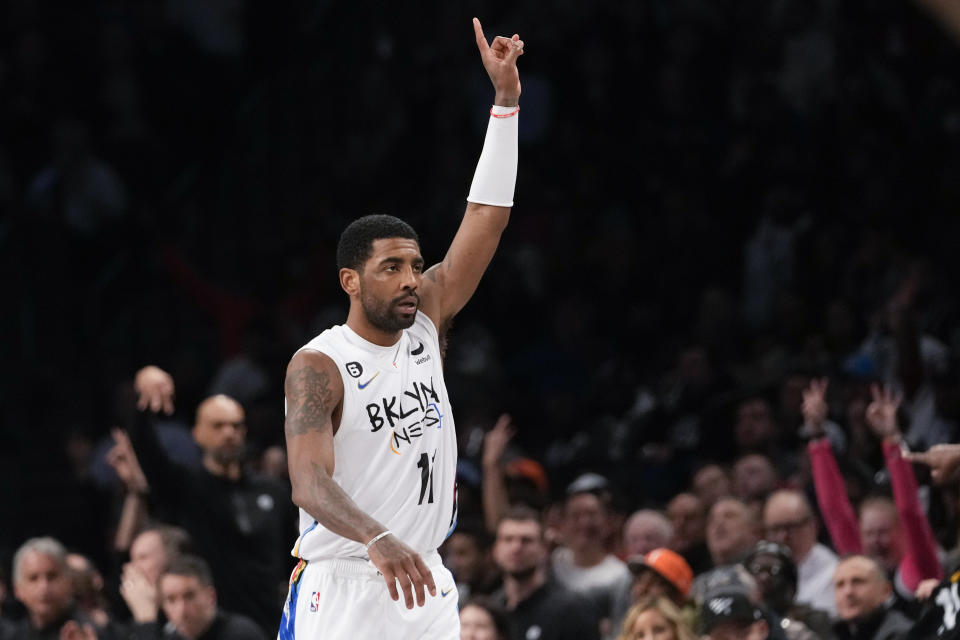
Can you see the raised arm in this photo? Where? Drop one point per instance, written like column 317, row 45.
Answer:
column 314, row 390
column 920, row 558
column 134, row 511
column 155, row 395
column 838, row 514
column 448, row 285
column 495, row 499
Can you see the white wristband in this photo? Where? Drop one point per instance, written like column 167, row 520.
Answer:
column 375, row 538
column 496, row 175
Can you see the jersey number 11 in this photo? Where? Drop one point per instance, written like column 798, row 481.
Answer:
column 426, row 476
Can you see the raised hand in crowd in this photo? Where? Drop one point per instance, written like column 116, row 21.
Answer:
column 155, row 390
column 124, row 462
column 943, row 460
column 73, row 631
column 139, row 593
column 495, row 499
column 882, row 412
column 496, row 440
column 814, row 406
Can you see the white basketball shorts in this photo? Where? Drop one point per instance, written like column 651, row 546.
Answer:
column 347, row 598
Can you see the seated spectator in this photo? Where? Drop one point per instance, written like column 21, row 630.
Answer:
column 689, row 519
column 863, row 595
column 150, row 553
column 754, row 478
column 710, row 483
column 735, row 579
column 466, row 553
column 87, row 585
column 655, row 618
column 41, row 581
column 731, row 531
column 788, row 519
column 771, row 565
column 480, row 619
column 662, row 573
column 536, row 606
column 756, row 430
column 732, row 617
column 644, row 531
column 896, row 534
column 584, row 564
column 189, row 602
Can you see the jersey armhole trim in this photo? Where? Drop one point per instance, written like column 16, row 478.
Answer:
column 433, row 326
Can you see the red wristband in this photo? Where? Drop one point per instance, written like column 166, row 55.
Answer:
column 505, row 115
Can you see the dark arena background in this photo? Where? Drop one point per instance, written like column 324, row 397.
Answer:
column 717, row 203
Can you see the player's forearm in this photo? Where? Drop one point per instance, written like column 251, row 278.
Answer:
column 321, row 497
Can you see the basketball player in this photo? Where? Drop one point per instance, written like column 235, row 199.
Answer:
column 370, row 434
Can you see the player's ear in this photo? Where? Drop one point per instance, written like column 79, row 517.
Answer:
column 350, row 281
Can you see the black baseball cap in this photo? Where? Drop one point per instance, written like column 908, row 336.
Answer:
column 727, row 607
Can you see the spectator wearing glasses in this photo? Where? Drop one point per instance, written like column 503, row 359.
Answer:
column 772, row 567
column 789, row 520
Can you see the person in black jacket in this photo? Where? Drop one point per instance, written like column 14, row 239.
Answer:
column 241, row 523
column 864, row 595
column 536, row 607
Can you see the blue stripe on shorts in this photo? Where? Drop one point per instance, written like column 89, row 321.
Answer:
column 289, row 618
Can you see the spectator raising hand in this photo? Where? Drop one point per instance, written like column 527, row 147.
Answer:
column 882, row 412
column 495, row 498
column 124, row 461
column 155, row 390
column 814, row 407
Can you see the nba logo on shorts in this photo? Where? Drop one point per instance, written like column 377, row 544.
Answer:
column 314, row 601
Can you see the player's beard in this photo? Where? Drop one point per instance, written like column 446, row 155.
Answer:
column 385, row 316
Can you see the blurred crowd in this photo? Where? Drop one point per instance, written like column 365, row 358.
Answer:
column 721, row 318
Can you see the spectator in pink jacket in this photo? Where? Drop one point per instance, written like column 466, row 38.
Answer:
column 895, row 533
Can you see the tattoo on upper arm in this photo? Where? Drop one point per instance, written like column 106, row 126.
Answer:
column 310, row 400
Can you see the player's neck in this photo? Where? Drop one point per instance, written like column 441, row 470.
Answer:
column 359, row 324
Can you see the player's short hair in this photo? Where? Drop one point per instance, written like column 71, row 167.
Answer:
column 356, row 241
column 192, row 566
column 47, row 546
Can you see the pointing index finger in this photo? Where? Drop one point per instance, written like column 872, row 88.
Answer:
column 481, row 39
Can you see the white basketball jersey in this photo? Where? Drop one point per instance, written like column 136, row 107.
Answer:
column 395, row 452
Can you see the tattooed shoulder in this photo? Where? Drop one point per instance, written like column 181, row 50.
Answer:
column 310, row 399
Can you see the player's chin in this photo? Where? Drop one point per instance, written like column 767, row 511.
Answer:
column 405, row 319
